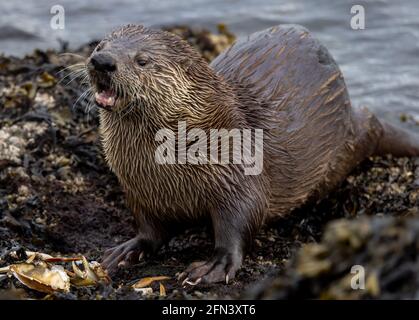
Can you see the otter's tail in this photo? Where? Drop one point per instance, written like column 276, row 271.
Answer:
column 396, row 141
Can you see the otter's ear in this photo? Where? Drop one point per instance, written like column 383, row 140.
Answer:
column 194, row 65
column 187, row 64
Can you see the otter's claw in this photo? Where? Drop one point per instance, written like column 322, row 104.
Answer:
column 191, row 283
column 122, row 255
column 221, row 268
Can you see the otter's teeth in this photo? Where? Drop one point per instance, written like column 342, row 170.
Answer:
column 105, row 98
column 110, row 101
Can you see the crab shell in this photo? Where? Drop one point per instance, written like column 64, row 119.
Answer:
column 42, row 278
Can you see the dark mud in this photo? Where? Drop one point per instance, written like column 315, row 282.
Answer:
column 57, row 196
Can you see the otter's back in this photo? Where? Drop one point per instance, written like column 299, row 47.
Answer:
column 302, row 89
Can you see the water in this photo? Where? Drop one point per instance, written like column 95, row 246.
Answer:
column 380, row 63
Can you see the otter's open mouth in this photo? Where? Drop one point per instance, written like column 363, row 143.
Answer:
column 106, row 96
column 105, row 99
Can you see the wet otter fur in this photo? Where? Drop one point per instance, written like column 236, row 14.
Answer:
column 281, row 80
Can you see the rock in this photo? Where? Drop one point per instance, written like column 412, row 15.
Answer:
column 367, row 258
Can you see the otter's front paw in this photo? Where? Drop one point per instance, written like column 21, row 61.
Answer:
column 124, row 254
column 221, row 267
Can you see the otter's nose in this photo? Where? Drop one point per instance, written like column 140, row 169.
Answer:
column 103, row 62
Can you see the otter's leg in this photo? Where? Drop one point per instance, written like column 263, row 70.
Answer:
column 233, row 230
column 149, row 239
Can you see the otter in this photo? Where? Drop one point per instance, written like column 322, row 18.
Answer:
column 281, row 80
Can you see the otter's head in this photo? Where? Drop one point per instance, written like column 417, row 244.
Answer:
column 137, row 67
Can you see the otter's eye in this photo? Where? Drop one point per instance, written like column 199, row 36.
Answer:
column 141, row 61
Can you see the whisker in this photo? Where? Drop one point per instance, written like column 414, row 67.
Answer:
column 127, row 110
column 73, row 73
column 76, row 75
column 81, row 96
column 85, row 80
column 73, row 66
column 90, row 106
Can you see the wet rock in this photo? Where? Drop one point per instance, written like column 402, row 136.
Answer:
column 368, row 258
column 15, row 138
column 209, row 44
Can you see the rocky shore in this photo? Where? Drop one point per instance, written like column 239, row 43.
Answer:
column 58, row 197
